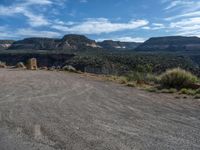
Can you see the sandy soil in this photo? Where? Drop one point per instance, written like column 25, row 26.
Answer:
column 56, row 110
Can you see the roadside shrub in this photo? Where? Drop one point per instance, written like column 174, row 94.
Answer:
column 118, row 79
column 197, row 96
column 141, row 77
column 187, row 91
column 198, row 91
column 177, row 78
column 152, row 89
column 122, row 80
column 171, row 90
column 132, row 84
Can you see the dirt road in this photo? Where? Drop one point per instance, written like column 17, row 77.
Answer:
column 56, row 110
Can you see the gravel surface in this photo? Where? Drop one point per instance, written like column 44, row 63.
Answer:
column 43, row 110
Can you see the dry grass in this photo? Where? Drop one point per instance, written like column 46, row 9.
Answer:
column 177, row 78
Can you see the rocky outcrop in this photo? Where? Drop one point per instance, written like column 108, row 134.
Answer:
column 109, row 44
column 4, row 44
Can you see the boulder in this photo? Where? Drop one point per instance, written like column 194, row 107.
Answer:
column 69, row 68
column 52, row 68
column 20, row 65
column 2, row 64
column 44, row 68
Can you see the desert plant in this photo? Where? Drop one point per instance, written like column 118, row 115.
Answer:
column 152, row 89
column 187, row 91
column 177, row 78
column 141, row 77
column 198, row 91
column 131, row 84
column 118, row 79
column 197, row 96
column 171, row 90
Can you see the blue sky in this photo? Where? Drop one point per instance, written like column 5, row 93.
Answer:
column 124, row 20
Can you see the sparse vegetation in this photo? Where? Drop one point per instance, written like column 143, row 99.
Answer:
column 152, row 89
column 177, row 78
column 197, row 96
column 187, row 91
column 132, row 84
column 118, row 79
column 171, row 90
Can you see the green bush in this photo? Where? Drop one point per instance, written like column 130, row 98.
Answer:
column 177, row 78
column 187, row 91
column 197, row 96
column 152, row 89
column 198, row 91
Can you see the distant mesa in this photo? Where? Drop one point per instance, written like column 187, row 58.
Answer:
column 68, row 42
column 75, row 43
column 170, row 43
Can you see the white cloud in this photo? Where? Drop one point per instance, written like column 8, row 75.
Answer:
column 35, row 33
column 34, row 20
column 188, row 27
column 187, row 19
column 184, row 5
column 100, row 25
column 146, row 28
column 5, row 33
column 184, row 15
column 38, row 2
column 154, row 26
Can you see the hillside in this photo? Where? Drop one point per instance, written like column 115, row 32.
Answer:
column 170, row 44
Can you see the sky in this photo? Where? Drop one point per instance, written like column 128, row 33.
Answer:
column 122, row 20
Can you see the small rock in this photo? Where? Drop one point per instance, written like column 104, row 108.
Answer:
column 69, row 68
column 52, row 68
column 20, row 65
column 44, row 68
